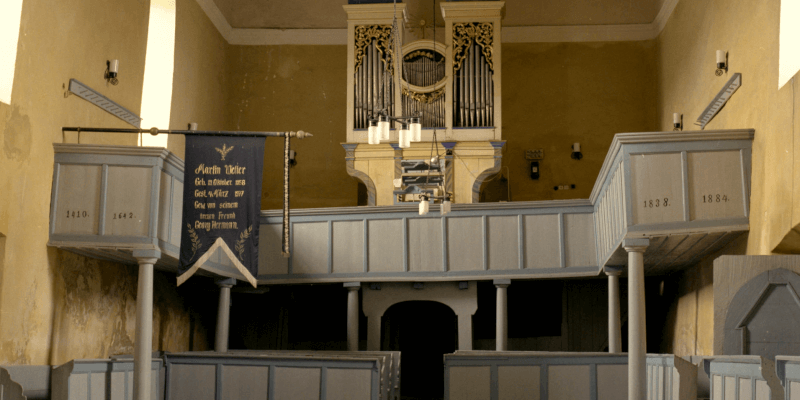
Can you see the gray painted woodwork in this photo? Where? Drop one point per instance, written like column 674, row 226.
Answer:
column 500, row 375
column 743, row 377
column 764, row 316
column 670, row 378
column 788, row 370
column 515, row 240
column 34, row 379
column 101, row 380
column 282, row 375
column 9, row 389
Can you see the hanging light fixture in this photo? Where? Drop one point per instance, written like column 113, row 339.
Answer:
column 381, row 118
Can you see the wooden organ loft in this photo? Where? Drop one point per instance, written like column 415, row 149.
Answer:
column 456, row 85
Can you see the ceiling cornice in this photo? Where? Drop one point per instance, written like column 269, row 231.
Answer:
column 511, row 34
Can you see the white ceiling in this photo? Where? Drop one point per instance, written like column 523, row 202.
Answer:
column 328, row 14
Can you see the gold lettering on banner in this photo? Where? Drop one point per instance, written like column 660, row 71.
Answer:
column 207, row 201
column 212, row 170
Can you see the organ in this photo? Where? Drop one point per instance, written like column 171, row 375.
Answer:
column 455, row 88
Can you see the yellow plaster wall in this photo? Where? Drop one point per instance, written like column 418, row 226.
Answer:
column 200, row 83
column 687, row 84
column 689, row 326
column 290, row 88
column 555, row 94
column 55, row 306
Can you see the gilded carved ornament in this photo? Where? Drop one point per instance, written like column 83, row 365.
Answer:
column 467, row 33
column 365, row 34
column 424, row 97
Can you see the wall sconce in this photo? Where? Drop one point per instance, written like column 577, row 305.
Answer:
column 677, row 122
column 112, row 68
column 722, row 62
column 576, row 151
column 292, row 155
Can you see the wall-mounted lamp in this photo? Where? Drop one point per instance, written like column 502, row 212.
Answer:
column 112, row 68
column 292, row 155
column 576, row 151
column 722, row 62
column 677, row 122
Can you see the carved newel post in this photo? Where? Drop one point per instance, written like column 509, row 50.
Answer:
column 637, row 339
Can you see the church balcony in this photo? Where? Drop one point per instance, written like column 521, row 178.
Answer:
column 687, row 192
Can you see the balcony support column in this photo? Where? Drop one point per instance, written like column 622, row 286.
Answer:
column 614, row 330
column 143, row 342
column 637, row 335
column 352, row 314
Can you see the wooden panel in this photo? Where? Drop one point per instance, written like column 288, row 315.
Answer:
column 579, row 240
column 745, row 389
column 348, row 246
column 244, row 382
column 297, row 383
column 568, row 382
column 425, row 244
column 612, row 382
column 192, row 382
column 715, row 186
column 98, row 389
column 469, row 383
column 542, row 247
column 78, row 386
column 164, row 206
column 503, row 236
column 270, row 260
column 385, row 245
column 128, row 201
column 716, row 387
column 730, row 387
column 656, row 178
column 177, row 212
column 118, row 385
column 78, row 203
column 762, row 390
column 518, row 382
column 348, row 384
column 310, row 248
column 687, row 245
column 465, row 244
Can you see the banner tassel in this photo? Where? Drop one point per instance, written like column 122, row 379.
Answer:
column 285, row 250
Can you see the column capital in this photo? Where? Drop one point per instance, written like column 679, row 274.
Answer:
column 144, row 256
column 502, row 283
column 612, row 271
column 635, row 245
column 352, row 285
column 227, row 282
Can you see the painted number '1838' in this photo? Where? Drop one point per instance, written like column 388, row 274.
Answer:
column 660, row 202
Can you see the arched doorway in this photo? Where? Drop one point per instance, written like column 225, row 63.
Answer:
column 423, row 331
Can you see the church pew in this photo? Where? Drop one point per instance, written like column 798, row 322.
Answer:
column 210, row 375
